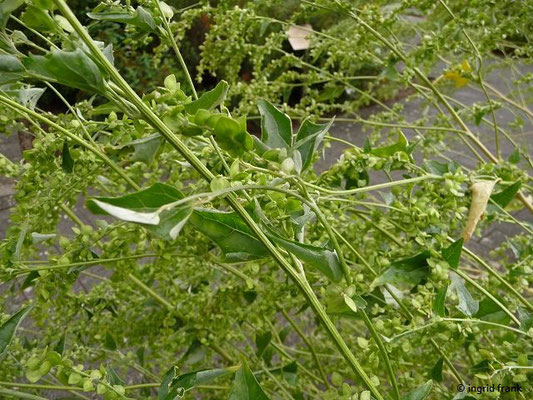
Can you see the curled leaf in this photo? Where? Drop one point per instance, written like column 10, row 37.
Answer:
column 480, row 196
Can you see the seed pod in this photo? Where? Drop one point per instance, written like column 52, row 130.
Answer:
column 287, row 166
column 480, row 196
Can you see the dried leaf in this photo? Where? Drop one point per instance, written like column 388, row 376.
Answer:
column 299, row 36
column 480, row 196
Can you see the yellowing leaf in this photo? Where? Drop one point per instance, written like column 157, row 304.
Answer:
column 465, row 66
column 458, row 80
column 480, row 196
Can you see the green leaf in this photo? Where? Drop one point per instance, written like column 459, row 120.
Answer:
column 338, row 304
column 10, row 63
column 229, row 232
column 113, row 377
column 504, row 197
column 408, row 271
column 262, row 340
column 110, row 342
column 420, row 393
column 436, row 371
column 514, row 157
column 70, row 68
column 232, row 136
column 67, row 163
column 276, row 127
column 174, row 385
column 490, row 311
column 526, row 319
column 142, row 207
column 440, row 300
column 60, row 346
column 437, row 168
column 140, row 18
column 387, row 151
column 146, row 148
column 308, row 139
column 37, row 18
column 209, row 100
column 37, row 237
column 452, row 253
column 6, row 8
column 324, row 260
column 245, row 385
column 480, row 367
column 8, row 328
column 467, row 304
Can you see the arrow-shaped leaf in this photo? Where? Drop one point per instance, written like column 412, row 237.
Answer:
column 308, row 139
column 276, row 127
column 8, row 328
column 174, row 385
column 70, row 68
column 230, row 233
column 452, row 253
column 408, row 271
column 209, row 100
column 246, row 386
column 324, row 260
column 143, row 207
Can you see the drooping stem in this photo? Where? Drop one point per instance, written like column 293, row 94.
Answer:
column 158, row 124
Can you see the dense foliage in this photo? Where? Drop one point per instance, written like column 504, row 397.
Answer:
column 158, row 249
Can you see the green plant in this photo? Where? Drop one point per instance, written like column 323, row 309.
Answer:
column 221, row 262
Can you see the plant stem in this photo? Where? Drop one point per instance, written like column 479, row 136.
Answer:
column 307, row 343
column 383, row 352
column 24, row 111
column 176, row 49
column 21, row 395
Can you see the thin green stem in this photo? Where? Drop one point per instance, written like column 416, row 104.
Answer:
column 307, row 342
column 24, row 111
column 383, row 352
column 170, row 37
column 21, row 395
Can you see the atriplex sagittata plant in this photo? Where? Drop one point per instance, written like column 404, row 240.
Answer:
column 207, row 261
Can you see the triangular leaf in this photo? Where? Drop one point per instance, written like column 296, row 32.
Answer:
column 209, row 100
column 308, row 139
column 439, row 302
column 490, row 311
column 387, row 151
column 8, row 328
column 230, row 234
column 140, row 18
column 467, row 304
column 420, row 393
column 452, row 253
column 276, row 127
column 70, row 68
column 504, row 197
column 67, row 163
column 324, row 260
column 408, row 271
column 245, row 385
column 174, row 385
column 436, row 371
column 143, row 207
